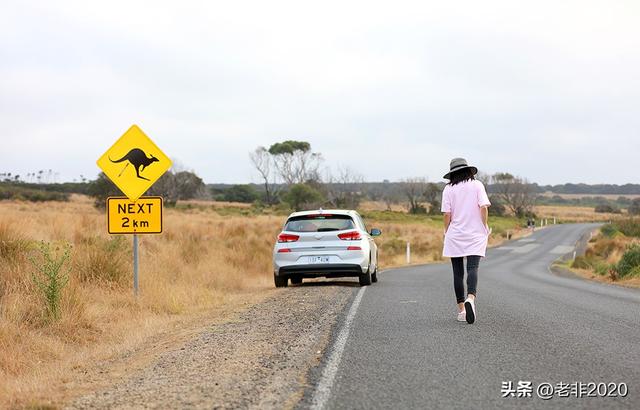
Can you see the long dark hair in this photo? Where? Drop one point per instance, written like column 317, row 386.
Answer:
column 462, row 175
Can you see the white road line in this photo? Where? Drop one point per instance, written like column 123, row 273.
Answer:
column 526, row 248
column 561, row 249
column 323, row 391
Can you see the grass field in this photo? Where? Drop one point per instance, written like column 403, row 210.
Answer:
column 210, row 255
column 573, row 214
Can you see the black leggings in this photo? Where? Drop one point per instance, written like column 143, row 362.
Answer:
column 473, row 261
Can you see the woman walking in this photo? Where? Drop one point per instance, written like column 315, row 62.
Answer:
column 466, row 231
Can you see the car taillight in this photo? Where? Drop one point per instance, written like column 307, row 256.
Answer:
column 284, row 250
column 354, row 248
column 350, row 236
column 287, row 237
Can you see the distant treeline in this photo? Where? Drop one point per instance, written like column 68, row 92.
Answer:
column 375, row 189
column 597, row 189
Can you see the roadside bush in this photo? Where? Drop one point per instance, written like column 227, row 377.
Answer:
column 608, row 230
column 629, row 226
column 581, row 262
column 630, row 260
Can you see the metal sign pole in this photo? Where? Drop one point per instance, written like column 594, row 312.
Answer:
column 135, row 264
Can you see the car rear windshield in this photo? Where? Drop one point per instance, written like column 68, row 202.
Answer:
column 319, row 223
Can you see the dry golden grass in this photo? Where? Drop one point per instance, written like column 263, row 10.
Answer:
column 200, row 261
column 573, row 214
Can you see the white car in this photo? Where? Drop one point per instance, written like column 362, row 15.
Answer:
column 325, row 243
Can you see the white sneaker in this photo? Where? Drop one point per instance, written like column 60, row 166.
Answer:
column 470, row 309
column 462, row 317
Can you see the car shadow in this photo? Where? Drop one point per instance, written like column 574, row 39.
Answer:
column 345, row 283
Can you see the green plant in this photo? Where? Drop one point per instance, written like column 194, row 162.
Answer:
column 609, row 230
column 628, row 226
column 49, row 276
column 630, row 260
column 580, row 262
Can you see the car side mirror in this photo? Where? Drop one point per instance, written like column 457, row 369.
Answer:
column 376, row 232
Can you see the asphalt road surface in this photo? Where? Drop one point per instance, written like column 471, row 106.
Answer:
column 398, row 344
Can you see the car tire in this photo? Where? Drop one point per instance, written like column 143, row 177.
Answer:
column 296, row 280
column 365, row 278
column 280, row 281
column 374, row 276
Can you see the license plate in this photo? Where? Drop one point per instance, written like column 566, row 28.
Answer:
column 318, row 259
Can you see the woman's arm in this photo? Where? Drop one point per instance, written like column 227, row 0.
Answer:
column 447, row 221
column 484, row 213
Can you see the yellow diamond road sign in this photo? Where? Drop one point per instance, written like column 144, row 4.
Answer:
column 134, row 163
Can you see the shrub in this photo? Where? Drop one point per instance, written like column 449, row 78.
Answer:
column 606, row 208
column 50, row 277
column 608, row 230
column 496, row 208
column 240, row 193
column 634, row 207
column 302, row 196
column 629, row 226
column 630, row 260
column 581, row 262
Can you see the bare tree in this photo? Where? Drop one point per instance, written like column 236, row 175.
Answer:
column 344, row 188
column 262, row 162
column 414, row 189
column 432, row 195
column 514, row 192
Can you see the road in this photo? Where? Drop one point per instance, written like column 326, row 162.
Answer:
column 398, row 344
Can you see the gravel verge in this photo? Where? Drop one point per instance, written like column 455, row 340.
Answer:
column 259, row 359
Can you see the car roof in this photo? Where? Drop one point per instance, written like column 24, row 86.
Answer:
column 349, row 212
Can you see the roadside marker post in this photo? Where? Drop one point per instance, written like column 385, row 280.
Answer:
column 408, row 253
column 134, row 163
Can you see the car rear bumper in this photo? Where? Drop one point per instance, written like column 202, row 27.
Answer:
column 331, row 270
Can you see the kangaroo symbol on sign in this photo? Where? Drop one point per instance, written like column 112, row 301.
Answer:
column 138, row 159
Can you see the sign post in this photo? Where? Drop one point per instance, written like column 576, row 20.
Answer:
column 135, row 264
column 134, row 163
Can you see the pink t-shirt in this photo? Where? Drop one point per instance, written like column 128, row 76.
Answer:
column 466, row 235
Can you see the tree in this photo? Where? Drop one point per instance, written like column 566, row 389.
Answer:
column 262, row 162
column 176, row 186
column 344, row 188
column 432, row 195
column 302, row 196
column 414, row 189
column 295, row 162
column 514, row 192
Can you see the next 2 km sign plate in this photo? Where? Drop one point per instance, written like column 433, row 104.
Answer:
column 142, row 216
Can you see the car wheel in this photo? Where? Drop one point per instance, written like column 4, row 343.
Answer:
column 365, row 278
column 374, row 276
column 296, row 280
column 280, row 281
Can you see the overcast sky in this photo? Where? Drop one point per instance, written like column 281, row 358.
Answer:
column 549, row 90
